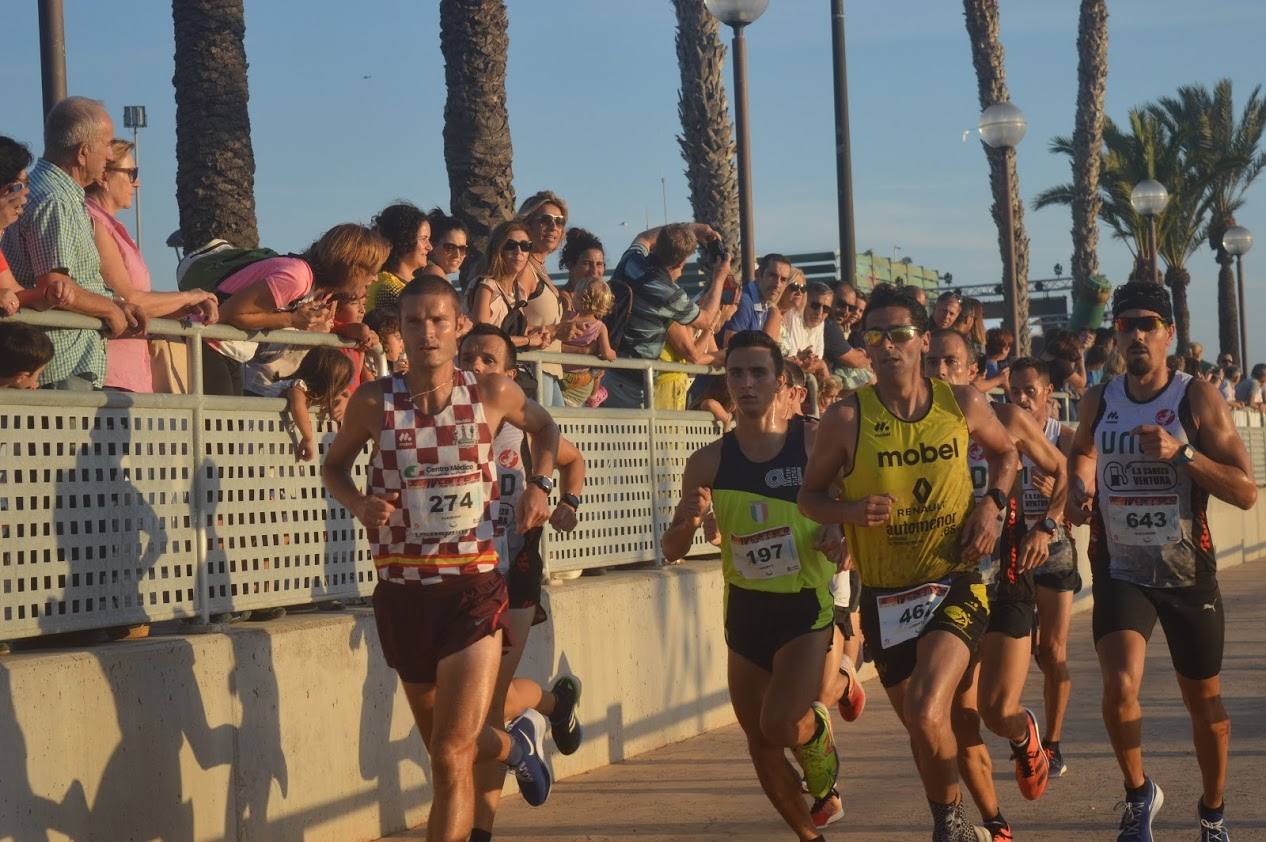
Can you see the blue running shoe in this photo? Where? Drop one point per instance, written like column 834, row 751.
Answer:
column 1138, row 813
column 1212, row 825
column 531, row 771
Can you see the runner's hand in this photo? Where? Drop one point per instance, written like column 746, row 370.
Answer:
column 980, row 533
column 1043, row 484
column 1034, row 549
column 874, row 510
column 1156, row 442
column 564, row 518
column 376, row 509
column 830, row 542
column 1080, row 502
column 532, row 510
column 711, row 532
column 696, row 504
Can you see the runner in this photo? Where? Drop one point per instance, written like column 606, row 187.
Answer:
column 777, row 565
column 440, row 604
column 1058, row 579
column 900, row 449
column 1002, row 665
column 1167, row 442
column 487, row 349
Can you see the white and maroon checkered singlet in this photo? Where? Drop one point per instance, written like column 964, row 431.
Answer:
column 442, row 466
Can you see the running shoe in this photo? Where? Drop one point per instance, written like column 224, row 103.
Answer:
column 817, row 758
column 1138, row 813
column 952, row 825
column 1055, row 761
column 853, row 702
column 562, row 722
column 1031, row 771
column 999, row 830
column 827, row 810
column 531, row 771
column 1212, row 825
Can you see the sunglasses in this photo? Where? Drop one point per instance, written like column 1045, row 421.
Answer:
column 558, row 221
column 898, row 335
column 796, row 289
column 1147, row 324
column 132, row 173
column 847, row 308
column 819, row 307
column 521, row 245
column 453, row 247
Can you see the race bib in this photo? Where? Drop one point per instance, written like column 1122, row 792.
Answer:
column 765, row 555
column 445, row 505
column 903, row 615
column 1144, row 521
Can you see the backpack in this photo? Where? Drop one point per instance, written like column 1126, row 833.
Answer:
column 210, row 270
column 618, row 319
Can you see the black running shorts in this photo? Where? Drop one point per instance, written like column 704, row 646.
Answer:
column 524, row 573
column 1192, row 617
column 759, row 623
column 964, row 613
column 1059, row 573
column 1012, row 605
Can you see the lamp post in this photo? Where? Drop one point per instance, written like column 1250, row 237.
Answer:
column 1149, row 198
column 1237, row 240
column 134, row 119
column 737, row 14
column 1002, row 126
column 843, row 148
column 52, row 53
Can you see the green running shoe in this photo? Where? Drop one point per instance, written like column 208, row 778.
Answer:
column 817, row 758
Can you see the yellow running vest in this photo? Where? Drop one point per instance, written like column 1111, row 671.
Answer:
column 923, row 465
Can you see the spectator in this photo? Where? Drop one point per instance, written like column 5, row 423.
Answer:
column 717, row 400
column 1096, row 359
column 291, row 292
column 945, row 314
column 449, row 244
column 583, row 259
column 804, row 330
column 1063, row 354
column 1105, row 337
column 841, row 348
column 971, row 324
column 1176, row 362
column 694, row 344
column 648, row 300
column 1249, row 391
column 320, row 381
column 128, row 364
column 832, row 389
column 921, row 296
column 1230, row 379
column 757, row 306
column 386, row 324
column 52, row 244
column 349, row 323
column 1195, row 352
column 24, row 352
column 794, row 304
column 14, row 159
column 581, row 385
column 792, row 298
column 801, row 392
column 408, row 231
column 1226, row 359
column 545, row 215
column 496, row 296
column 998, row 342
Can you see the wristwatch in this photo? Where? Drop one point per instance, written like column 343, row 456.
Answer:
column 999, row 499
column 1048, row 525
column 543, row 482
column 571, row 500
column 1185, row 455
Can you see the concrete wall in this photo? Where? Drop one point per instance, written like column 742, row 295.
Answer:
column 295, row 729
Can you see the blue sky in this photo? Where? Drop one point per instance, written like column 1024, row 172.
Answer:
column 592, row 92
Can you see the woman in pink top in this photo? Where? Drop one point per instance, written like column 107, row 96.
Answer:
column 125, row 272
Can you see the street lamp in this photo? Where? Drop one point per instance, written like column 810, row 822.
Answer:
column 1149, row 198
column 1237, row 240
column 737, row 14
column 1002, row 126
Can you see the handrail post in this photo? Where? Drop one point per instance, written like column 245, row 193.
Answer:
column 194, row 344
column 540, row 381
column 651, row 442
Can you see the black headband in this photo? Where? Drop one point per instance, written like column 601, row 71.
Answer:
column 1143, row 295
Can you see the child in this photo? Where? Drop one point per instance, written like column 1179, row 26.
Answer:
column 386, row 323
column 24, row 352
column 349, row 315
column 582, row 385
column 322, row 381
column 832, row 387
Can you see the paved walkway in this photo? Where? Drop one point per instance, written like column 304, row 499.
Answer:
column 705, row 789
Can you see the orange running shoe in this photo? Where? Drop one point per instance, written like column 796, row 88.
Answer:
column 827, row 810
column 1032, row 770
column 853, row 702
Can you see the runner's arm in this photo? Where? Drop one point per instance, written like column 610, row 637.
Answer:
column 1046, row 457
column 695, row 503
column 1082, row 458
column 571, row 479
column 361, row 423
column 988, row 431
column 1221, row 466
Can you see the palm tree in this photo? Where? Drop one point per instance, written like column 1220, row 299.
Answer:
column 1087, row 145
column 706, row 139
column 477, row 149
column 991, row 82
column 1232, row 160
column 215, row 163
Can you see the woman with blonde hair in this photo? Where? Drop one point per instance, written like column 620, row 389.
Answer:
column 496, row 296
column 545, row 215
column 971, row 324
column 583, row 384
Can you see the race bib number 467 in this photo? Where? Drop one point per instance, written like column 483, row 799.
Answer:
column 903, row 615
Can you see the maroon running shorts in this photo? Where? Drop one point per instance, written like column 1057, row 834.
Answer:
column 420, row 625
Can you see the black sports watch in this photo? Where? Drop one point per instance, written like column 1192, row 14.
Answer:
column 999, row 499
column 1048, row 525
column 1185, row 455
column 571, row 500
column 543, row 482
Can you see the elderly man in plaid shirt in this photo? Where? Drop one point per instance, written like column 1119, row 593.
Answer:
column 52, row 241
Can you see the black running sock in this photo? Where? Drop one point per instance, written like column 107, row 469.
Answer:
column 1210, row 812
column 997, row 821
column 478, row 835
column 515, row 757
column 1136, row 794
column 1053, row 745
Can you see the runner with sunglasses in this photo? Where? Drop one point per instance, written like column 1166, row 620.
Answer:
column 1151, row 447
column 898, row 452
column 1029, row 526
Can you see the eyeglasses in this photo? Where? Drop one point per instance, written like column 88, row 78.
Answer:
column 454, row 247
column 132, row 173
column 521, row 245
column 819, row 307
column 1147, row 324
column 847, row 308
column 796, row 289
column 557, row 221
column 898, row 335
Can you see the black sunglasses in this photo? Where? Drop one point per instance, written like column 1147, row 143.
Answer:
column 453, row 247
column 819, row 307
column 521, row 245
column 796, row 289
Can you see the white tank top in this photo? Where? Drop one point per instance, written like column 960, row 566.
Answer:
column 979, row 467
column 1035, row 502
column 508, row 454
column 1150, row 526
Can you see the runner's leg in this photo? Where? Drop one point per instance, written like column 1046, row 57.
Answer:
column 1210, row 732
column 833, row 682
column 853, row 645
column 1054, row 611
column 490, row 773
column 928, row 696
column 1004, row 665
column 974, row 763
column 1121, row 658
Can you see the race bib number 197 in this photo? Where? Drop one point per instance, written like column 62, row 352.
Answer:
column 765, row 555
column 445, row 505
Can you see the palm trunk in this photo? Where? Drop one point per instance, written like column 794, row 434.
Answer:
column 477, row 149
column 991, row 82
column 1178, row 278
column 215, row 163
column 707, row 138
column 1228, row 308
column 1092, row 80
